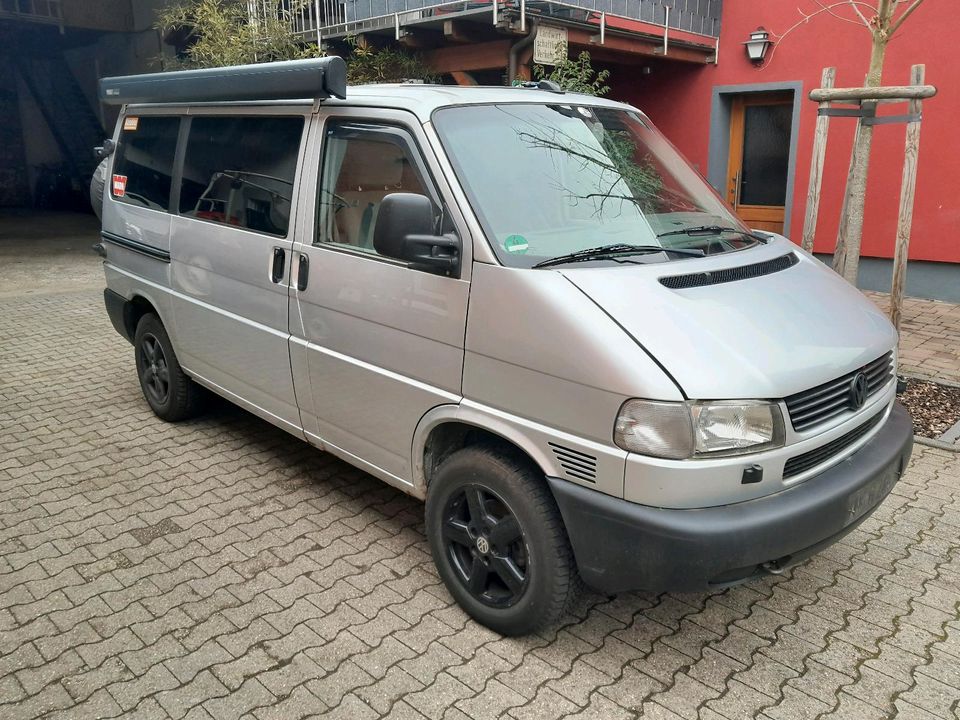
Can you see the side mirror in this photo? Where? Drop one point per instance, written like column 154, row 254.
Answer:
column 405, row 230
column 105, row 150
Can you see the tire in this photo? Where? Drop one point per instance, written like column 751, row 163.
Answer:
column 515, row 578
column 171, row 394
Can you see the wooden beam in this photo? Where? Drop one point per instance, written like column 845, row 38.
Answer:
column 635, row 46
column 463, row 78
column 816, row 167
column 458, row 31
column 420, row 39
column 524, row 69
column 892, row 92
column 908, row 189
column 480, row 56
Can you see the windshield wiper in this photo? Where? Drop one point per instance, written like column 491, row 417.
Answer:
column 710, row 230
column 608, row 252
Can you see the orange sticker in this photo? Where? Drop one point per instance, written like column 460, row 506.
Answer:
column 119, row 185
column 131, row 122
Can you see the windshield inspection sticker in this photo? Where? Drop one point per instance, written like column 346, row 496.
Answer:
column 131, row 122
column 119, row 185
column 516, row 244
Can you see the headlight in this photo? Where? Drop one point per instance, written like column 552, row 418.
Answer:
column 684, row 430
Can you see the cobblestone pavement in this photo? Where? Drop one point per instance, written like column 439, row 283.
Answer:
column 221, row 568
column 929, row 336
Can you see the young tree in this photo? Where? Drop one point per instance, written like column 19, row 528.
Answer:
column 226, row 32
column 369, row 64
column 223, row 32
column 575, row 74
column 882, row 19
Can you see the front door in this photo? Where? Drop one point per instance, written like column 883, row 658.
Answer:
column 760, row 126
column 375, row 344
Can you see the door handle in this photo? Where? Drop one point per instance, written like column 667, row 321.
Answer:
column 276, row 268
column 736, row 190
column 303, row 272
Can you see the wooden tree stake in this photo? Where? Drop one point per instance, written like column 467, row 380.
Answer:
column 816, row 166
column 907, row 191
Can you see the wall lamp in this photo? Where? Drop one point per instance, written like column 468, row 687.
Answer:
column 758, row 44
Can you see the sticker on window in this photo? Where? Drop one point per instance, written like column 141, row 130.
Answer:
column 516, row 244
column 119, row 185
column 131, row 122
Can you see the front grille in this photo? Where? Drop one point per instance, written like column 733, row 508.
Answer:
column 802, row 463
column 576, row 464
column 744, row 272
column 814, row 406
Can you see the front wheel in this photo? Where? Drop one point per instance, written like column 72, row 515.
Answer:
column 499, row 542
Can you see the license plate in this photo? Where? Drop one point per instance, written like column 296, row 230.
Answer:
column 869, row 495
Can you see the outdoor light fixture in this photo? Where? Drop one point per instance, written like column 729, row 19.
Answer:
column 758, row 44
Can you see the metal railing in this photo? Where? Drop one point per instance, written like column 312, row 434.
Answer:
column 303, row 17
column 39, row 11
column 348, row 17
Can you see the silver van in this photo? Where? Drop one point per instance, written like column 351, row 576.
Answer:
column 520, row 305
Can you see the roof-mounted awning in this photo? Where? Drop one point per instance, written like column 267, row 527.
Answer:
column 289, row 80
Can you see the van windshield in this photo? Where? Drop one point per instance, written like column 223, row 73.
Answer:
column 550, row 180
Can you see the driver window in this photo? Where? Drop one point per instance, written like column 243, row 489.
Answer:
column 362, row 164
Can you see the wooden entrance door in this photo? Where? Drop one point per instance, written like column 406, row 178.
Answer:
column 757, row 175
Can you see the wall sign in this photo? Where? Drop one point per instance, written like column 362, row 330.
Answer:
column 550, row 45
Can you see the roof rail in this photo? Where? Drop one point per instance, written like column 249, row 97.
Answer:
column 548, row 85
column 288, row 80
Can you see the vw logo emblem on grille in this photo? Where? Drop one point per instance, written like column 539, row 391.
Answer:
column 483, row 545
column 858, row 391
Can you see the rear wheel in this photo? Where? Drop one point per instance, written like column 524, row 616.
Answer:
column 171, row 394
column 498, row 540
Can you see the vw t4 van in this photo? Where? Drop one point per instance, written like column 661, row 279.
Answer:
column 520, row 305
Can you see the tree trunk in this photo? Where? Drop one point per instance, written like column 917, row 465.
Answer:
column 846, row 258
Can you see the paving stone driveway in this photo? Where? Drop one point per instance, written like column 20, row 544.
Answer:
column 221, row 568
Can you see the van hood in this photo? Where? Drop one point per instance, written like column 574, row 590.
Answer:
column 765, row 337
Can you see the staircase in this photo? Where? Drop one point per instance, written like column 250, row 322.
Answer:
column 67, row 112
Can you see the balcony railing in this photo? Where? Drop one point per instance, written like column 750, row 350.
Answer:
column 336, row 18
column 39, row 11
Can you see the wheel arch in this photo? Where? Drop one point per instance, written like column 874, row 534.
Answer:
column 134, row 309
column 448, row 428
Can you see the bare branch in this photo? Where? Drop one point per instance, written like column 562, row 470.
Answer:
column 830, row 11
column 906, row 13
column 807, row 18
column 859, row 13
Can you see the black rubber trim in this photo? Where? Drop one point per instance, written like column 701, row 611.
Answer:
column 116, row 310
column 136, row 246
column 622, row 546
column 716, row 277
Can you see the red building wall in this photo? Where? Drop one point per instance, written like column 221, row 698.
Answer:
column 678, row 99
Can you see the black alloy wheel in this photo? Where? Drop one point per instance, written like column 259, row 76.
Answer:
column 486, row 546
column 154, row 371
column 498, row 539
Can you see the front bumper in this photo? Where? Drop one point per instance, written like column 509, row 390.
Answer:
column 621, row 546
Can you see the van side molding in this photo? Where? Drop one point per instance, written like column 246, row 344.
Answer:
column 136, row 246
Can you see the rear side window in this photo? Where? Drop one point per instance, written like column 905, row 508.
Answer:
column 239, row 171
column 143, row 167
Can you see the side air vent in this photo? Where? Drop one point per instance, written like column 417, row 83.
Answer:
column 744, row 272
column 577, row 465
